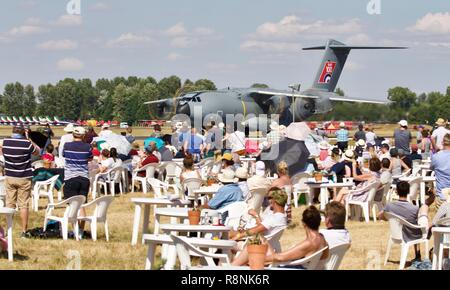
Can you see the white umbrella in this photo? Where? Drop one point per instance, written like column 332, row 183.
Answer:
column 298, row 131
column 116, row 141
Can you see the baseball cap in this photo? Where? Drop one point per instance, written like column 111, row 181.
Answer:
column 260, row 168
column 279, row 196
column 403, row 123
column 227, row 156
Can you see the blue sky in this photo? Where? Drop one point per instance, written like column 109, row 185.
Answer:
column 234, row 42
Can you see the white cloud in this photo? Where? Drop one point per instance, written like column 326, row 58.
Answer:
column 256, row 45
column 293, row 26
column 173, row 56
column 177, row 30
column 70, row 64
column 438, row 23
column 130, row 40
column 25, row 30
column 69, row 20
column 101, row 6
column 64, row 44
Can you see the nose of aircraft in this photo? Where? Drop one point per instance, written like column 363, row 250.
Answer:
column 184, row 109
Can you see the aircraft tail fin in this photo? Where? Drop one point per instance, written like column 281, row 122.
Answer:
column 333, row 62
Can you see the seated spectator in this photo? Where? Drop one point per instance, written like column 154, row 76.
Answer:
column 227, row 194
column 227, row 162
column 335, row 233
column 328, row 163
column 313, row 242
column 149, row 158
column 180, row 154
column 410, row 213
column 282, row 181
column 386, row 176
column 397, row 165
column 405, row 158
column 49, row 153
column 95, row 151
column 241, row 174
column 414, row 155
column 345, row 167
column 189, row 171
column 110, row 160
column 361, row 192
column 269, row 223
column 384, row 151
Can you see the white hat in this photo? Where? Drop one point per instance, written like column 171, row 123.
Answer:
column 241, row 173
column 221, row 125
column 403, row 123
column 323, row 145
column 106, row 125
column 361, row 142
column 260, row 168
column 227, row 176
column 342, row 124
column 349, row 155
column 274, row 125
column 79, row 131
column 69, row 128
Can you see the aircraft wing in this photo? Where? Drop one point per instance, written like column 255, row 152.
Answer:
column 161, row 101
column 344, row 99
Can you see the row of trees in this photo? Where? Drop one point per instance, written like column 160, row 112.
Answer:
column 123, row 99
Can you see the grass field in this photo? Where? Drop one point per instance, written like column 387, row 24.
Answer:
column 367, row 250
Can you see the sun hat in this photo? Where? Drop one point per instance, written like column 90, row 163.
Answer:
column 241, row 173
column 69, row 128
column 227, row 176
column 260, row 168
column 79, row 131
column 361, row 143
column 227, row 156
column 403, row 123
column 323, row 145
column 441, row 122
column 279, row 196
column 349, row 154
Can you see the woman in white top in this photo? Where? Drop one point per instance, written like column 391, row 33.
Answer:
column 111, row 162
column 189, row 171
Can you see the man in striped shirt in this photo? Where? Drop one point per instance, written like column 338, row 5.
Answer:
column 17, row 151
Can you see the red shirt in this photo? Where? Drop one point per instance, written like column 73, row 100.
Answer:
column 95, row 152
column 148, row 160
column 48, row 156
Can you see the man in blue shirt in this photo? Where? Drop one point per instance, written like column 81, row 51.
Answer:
column 194, row 144
column 227, row 194
column 440, row 163
column 342, row 137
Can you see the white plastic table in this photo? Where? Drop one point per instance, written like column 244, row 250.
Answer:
column 146, row 203
column 154, row 240
column 9, row 213
column 324, row 190
column 184, row 228
column 173, row 212
column 205, row 190
column 437, row 235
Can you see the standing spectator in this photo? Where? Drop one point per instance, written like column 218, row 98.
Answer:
column 426, row 145
column 47, row 132
column 236, row 142
column 274, row 137
column 402, row 138
column 194, row 145
column 360, row 134
column 437, row 138
column 419, row 135
column 129, row 135
column 90, row 135
column 321, row 132
column 156, row 131
column 76, row 173
column 17, row 152
column 440, row 163
column 65, row 139
column 213, row 139
column 370, row 136
column 105, row 131
column 342, row 137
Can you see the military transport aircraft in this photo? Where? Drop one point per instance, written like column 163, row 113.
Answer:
column 291, row 106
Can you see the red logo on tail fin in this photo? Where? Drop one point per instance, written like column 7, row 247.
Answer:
column 327, row 72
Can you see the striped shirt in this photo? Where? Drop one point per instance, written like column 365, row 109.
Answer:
column 17, row 153
column 342, row 135
column 77, row 155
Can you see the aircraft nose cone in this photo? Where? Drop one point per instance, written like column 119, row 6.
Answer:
column 184, row 109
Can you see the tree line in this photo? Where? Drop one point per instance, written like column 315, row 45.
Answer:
column 123, row 99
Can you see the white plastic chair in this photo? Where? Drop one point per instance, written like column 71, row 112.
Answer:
column 72, row 205
column 43, row 188
column 445, row 243
column 274, row 240
column 299, row 182
column 365, row 205
column 337, row 254
column 150, row 170
column 185, row 249
column 109, row 178
column 396, row 225
column 235, row 211
column 414, row 189
column 310, row 262
column 2, row 191
column 99, row 216
column 161, row 188
column 173, row 171
column 191, row 184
